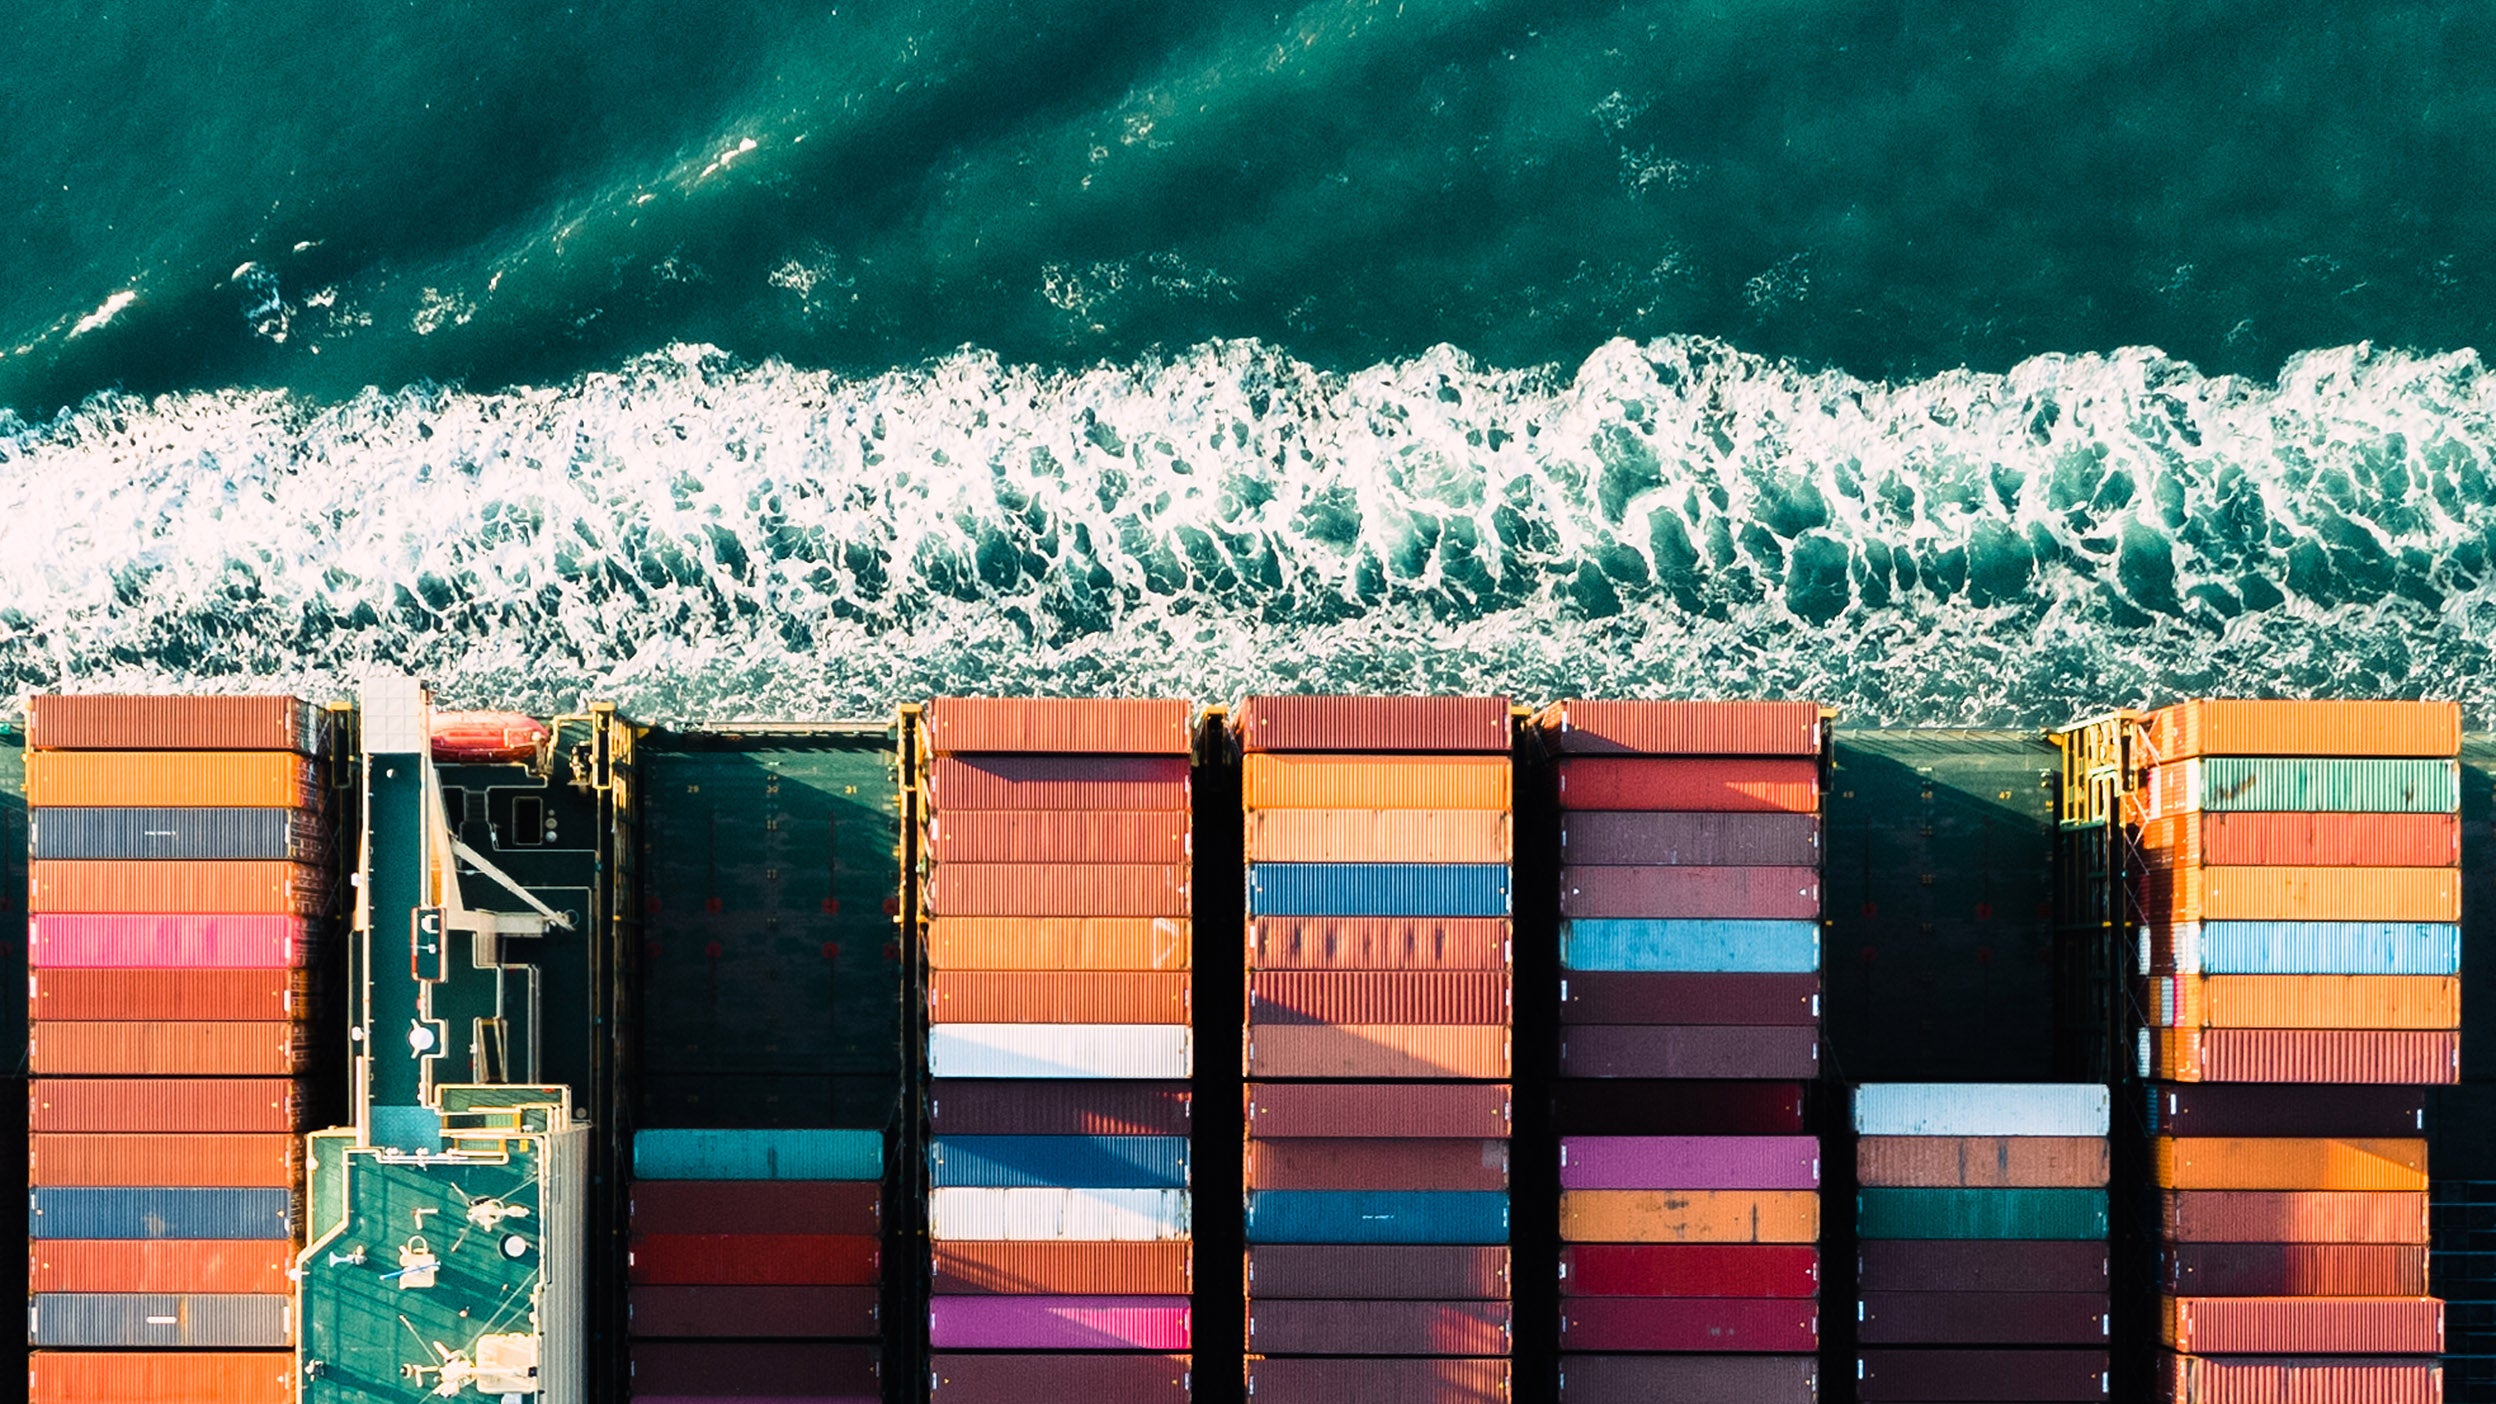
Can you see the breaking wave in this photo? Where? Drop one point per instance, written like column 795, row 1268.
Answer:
column 698, row 539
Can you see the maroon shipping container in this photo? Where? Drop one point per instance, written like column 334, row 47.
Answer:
column 1437, row 724
column 774, row 1312
column 1447, row 1111
column 1681, row 1050
column 2293, row 1216
column 1057, row 836
column 1282, row 1271
column 786, row 1259
column 1690, row 1379
column 1721, row 786
column 1694, row 1108
column 1379, row 943
column 1689, row 1270
column 1982, row 1318
column 1662, row 997
column 1047, row 1107
column 1957, row 1265
column 1379, row 997
column 1629, row 838
column 2000, row 1376
column 1339, row 1163
column 1373, row 1327
column 1762, row 894
column 757, row 1370
column 2273, row 1109
column 2293, row 1270
column 1743, row 1324
column 1681, row 728
column 756, row 1206
column 2254, row 1379
column 1059, row 726
column 1114, row 1378
column 1287, row 1380
column 1057, row 782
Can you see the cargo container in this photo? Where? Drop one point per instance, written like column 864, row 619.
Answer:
column 1377, row 1216
column 1950, row 1376
column 1666, row 838
column 959, row 1107
column 2244, row 784
column 156, row 1320
column 1059, row 943
column 1376, row 782
column 2293, row 839
column 846, row 1207
column 1342, row 1380
column 2425, row 1057
column 2304, row 1001
column 1749, row 893
column 1689, row 1162
column 1659, row 1051
column 748, row 1311
column 167, row 835
column 1981, row 1213
column 171, row 780
column 2303, row 1325
column 1688, row 997
column 1983, row 1318
column 123, row 721
column 777, row 1259
column 1029, row 1214
column 1379, row 997
column 1982, row 1109
column 1439, row 724
column 2235, row 727
column 1689, row 1324
column 1059, row 1051
column 1379, row 943
column 1058, row 1323
column 1379, row 836
column 2254, row 1110
column 2292, row 1216
column 1690, row 1379
column 161, row 1377
column 1091, row 783
column 2287, row 1163
column 1385, row 1164
column 1689, row 1216
column 89, row 995
column 1678, row 1108
column 670, row 1154
column 2302, row 948
column 1982, row 1162
column 1149, row 837
column 1689, row 1270
column 186, row 887
column 221, row 1267
column 1071, row 1269
column 1681, row 728
column 1379, row 1271
column 1700, row 946
column 2172, row 895
column 1059, row 726
column 1378, row 889
column 168, row 942
column 1057, row 997
column 160, row 1213
column 819, row 1373
column 167, row 1049
column 1723, row 786
column 141, row 1159
column 1982, row 1265
column 1288, row 1326
column 1372, row 1051
column 1057, row 889
column 1006, row 1378
column 2189, row 1379
column 2293, row 1270
column 1100, row 1162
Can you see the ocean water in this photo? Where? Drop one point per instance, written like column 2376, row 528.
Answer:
column 1951, row 363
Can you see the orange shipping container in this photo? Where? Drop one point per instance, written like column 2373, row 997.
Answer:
column 2408, row 1058
column 2306, row 1001
column 1077, row 1269
column 2295, row 839
column 1272, row 781
column 194, row 1105
column 1689, row 1216
column 1982, row 1162
column 161, row 1377
column 1379, row 943
column 106, row 721
column 131, row 1159
column 167, row 1265
column 2234, row 727
column 181, row 887
column 1059, row 726
column 2196, row 1379
column 1058, row 889
column 1379, row 836
column 1378, row 1050
column 1059, row 943
column 115, row 995
column 2288, row 1163
column 167, row 1049
column 2300, row 894
column 1379, row 997
column 2293, row 1216
column 1056, row 997
column 2303, row 1325
column 178, row 779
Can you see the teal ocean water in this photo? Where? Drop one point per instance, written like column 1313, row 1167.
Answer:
column 1954, row 363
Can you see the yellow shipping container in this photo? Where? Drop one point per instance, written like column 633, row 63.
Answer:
column 1272, row 781
column 2302, row 894
column 1059, row 943
column 1689, row 1216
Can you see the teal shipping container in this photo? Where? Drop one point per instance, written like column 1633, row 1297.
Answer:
column 1059, row 1162
column 1726, row 947
column 758, row 1155
column 1377, row 1216
column 2247, row 784
column 1981, row 1213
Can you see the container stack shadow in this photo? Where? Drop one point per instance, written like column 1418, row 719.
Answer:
column 1059, row 949
column 2300, row 899
column 181, row 892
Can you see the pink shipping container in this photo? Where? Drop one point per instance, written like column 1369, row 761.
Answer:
column 1681, row 728
column 1058, row 1323
column 1790, row 894
column 1749, row 1324
column 1690, row 1162
column 1438, row 724
column 168, row 942
column 2192, row 1379
column 2304, row 1325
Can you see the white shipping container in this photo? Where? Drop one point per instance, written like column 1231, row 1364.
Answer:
column 1054, row 1215
column 1060, row 1050
column 1983, row 1109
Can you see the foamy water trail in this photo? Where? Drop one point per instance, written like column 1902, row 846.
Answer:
column 700, row 540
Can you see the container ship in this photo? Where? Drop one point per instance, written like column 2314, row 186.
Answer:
column 1293, row 1049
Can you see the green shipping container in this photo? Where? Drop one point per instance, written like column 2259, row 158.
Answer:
column 2340, row 786
column 1981, row 1213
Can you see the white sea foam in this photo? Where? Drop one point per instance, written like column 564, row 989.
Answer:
column 104, row 312
column 698, row 539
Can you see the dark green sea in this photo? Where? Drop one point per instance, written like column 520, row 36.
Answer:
column 1949, row 362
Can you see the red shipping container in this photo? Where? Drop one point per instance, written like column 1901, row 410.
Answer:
column 161, row 1377
column 2303, row 1325
column 847, row 1374
column 1435, row 724
column 1951, row 1376
column 1681, row 728
column 1749, row 1324
column 1961, row 1265
column 1676, row 1051
column 1405, row 1164
column 1629, row 1107
column 963, row 1268
column 115, row 995
column 1290, row 1380
column 1379, row 943
column 196, row 1105
column 192, row 1161
column 245, row 1267
column 2293, row 1270
column 1344, row 1271
column 781, row 1259
column 1690, row 1379
column 1296, row 1327
column 1689, row 1270
column 104, row 721
column 1058, row 889
column 1726, row 786
column 1790, row 894
column 1048, row 1107
column 1060, row 725
column 2293, row 1216
column 2190, row 1379
column 2297, row 839
column 1058, row 782
column 1457, row 1111
column 1057, row 836
column 1379, row 997
column 1109, row 1378
column 846, row 1208
column 780, row 1312
column 1982, row 1318
column 1673, row 997
column 55, row 1048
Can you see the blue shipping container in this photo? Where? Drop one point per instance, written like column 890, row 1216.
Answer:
column 1059, row 1162
column 1698, row 947
column 289, row 835
column 160, row 1320
column 758, row 1155
column 160, row 1213
column 1378, row 889
column 1377, row 1216
column 2319, row 948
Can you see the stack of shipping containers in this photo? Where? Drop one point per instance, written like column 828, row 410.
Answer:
column 1059, row 939
column 1379, row 838
column 180, row 885
column 1689, row 1030
column 2300, row 897
column 1981, row 1227
column 753, row 1265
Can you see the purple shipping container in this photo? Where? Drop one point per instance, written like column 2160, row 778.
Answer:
column 1058, row 1323
column 1673, row 1051
column 1981, row 1265
column 1092, row 1379
column 1674, row 997
column 1695, row 1108
column 1376, row 1380
column 1639, row 838
column 1982, row 1318
column 1993, row 1376
column 1690, row 1162
column 167, row 943
column 1689, row 1379
column 1756, row 894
